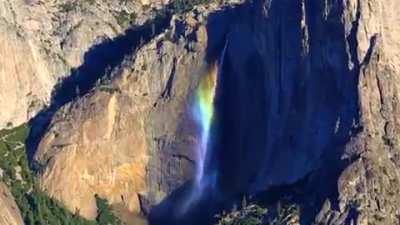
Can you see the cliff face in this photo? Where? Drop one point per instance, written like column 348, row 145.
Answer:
column 307, row 91
column 130, row 139
column 320, row 79
column 368, row 185
column 9, row 212
column 42, row 40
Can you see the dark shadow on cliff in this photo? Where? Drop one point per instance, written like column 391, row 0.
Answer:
column 284, row 112
column 175, row 211
column 98, row 63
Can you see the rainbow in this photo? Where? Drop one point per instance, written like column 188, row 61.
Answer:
column 204, row 115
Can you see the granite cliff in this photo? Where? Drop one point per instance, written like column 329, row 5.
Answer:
column 125, row 140
column 9, row 212
column 306, row 103
column 41, row 41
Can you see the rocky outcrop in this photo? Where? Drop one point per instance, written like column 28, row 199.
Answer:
column 42, row 40
column 320, row 81
column 307, row 92
column 9, row 212
column 368, row 186
column 130, row 139
column 296, row 77
column 25, row 77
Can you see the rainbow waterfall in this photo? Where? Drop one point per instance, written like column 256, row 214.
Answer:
column 203, row 112
column 204, row 115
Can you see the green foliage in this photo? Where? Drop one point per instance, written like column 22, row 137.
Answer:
column 254, row 214
column 44, row 210
column 248, row 215
column 104, row 214
column 286, row 214
column 90, row 2
column 68, row 6
column 124, row 18
column 181, row 6
column 13, row 159
column 36, row 207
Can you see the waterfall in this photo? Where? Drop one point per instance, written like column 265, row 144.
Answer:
column 203, row 112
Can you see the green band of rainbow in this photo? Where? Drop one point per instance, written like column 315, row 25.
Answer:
column 204, row 113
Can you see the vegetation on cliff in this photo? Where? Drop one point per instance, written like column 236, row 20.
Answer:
column 36, row 207
column 254, row 214
column 248, row 215
column 104, row 214
column 180, row 6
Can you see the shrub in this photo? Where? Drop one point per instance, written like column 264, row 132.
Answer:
column 180, row 6
column 124, row 18
column 286, row 214
column 104, row 214
column 36, row 207
column 68, row 6
column 252, row 214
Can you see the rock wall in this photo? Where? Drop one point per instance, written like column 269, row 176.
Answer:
column 9, row 212
column 368, row 186
column 308, row 92
column 295, row 76
column 130, row 139
column 42, row 40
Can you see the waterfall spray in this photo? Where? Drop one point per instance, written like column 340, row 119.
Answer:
column 204, row 116
column 204, row 113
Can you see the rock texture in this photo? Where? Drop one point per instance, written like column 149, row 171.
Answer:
column 9, row 212
column 320, row 81
column 308, row 91
column 368, row 187
column 298, row 79
column 42, row 40
column 130, row 139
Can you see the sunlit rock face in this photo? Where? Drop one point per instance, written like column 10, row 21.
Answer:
column 154, row 3
column 305, row 91
column 41, row 41
column 25, row 81
column 132, row 139
column 9, row 212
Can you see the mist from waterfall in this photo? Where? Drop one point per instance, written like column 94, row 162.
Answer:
column 203, row 113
